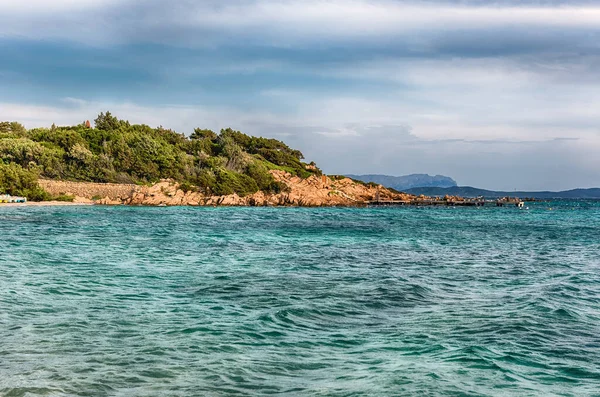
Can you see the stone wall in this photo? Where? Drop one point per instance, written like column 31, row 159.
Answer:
column 89, row 190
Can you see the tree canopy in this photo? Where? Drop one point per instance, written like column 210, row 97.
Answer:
column 120, row 152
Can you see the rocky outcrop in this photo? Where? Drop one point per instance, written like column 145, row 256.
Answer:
column 314, row 191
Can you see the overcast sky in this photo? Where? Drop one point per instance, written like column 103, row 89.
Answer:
column 499, row 95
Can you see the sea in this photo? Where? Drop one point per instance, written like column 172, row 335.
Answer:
column 395, row 301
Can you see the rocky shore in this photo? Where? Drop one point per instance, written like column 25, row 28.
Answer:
column 315, row 191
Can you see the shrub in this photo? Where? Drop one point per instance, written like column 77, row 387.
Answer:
column 63, row 197
column 228, row 182
column 16, row 181
column 187, row 187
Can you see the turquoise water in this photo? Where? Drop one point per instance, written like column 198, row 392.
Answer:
column 124, row 301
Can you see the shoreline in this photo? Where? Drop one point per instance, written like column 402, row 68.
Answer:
column 353, row 205
column 43, row 204
column 73, row 204
column 322, row 191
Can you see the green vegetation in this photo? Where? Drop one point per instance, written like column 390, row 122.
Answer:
column 358, row 181
column 63, row 197
column 119, row 152
column 16, row 181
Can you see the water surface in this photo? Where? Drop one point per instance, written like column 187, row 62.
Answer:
column 125, row 301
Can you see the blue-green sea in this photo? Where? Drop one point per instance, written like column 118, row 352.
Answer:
column 140, row 301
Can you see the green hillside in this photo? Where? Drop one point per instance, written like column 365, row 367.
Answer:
column 120, row 152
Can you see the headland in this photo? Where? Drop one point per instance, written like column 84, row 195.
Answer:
column 119, row 163
column 116, row 162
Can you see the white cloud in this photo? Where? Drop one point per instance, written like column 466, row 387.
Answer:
column 358, row 17
column 366, row 146
column 434, row 110
column 33, row 7
column 270, row 21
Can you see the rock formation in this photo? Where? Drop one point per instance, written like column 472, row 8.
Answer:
column 314, row 191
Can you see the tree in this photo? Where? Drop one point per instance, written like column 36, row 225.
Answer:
column 203, row 134
column 107, row 122
column 12, row 127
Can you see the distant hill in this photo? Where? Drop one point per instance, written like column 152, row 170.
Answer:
column 117, row 151
column 467, row 191
column 407, row 181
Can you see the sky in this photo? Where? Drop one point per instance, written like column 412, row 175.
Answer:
column 501, row 95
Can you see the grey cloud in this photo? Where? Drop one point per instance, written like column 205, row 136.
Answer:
column 212, row 35
column 488, row 100
column 394, row 150
column 560, row 163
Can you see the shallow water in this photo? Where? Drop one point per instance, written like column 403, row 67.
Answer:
column 124, row 301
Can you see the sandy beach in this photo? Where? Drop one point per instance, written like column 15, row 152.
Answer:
column 42, row 204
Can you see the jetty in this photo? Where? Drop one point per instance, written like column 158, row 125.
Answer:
column 7, row 198
column 448, row 202
column 428, row 203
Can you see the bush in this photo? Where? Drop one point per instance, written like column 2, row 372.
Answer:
column 187, row 187
column 258, row 171
column 227, row 182
column 63, row 197
column 16, row 181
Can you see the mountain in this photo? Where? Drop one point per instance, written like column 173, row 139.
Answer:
column 407, row 181
column 440, row 185
column 468, row 191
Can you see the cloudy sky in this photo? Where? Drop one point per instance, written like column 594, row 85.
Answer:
column 500, row 95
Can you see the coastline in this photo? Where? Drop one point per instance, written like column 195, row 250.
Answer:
column 44, row 204
column 314, row 191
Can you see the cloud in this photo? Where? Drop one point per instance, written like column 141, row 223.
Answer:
column 501, row 164
column 42, row 6
column 558, row 162
column 278, row 23
column 392, row 86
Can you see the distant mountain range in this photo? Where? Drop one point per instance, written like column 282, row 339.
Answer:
column 439, row 185
column 407, row 181
column 467, row 191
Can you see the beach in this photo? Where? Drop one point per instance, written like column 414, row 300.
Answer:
column 43, row 204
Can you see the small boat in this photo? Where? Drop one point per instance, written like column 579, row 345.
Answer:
column 7, row 198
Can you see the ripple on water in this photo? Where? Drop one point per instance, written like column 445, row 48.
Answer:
column 119, row 301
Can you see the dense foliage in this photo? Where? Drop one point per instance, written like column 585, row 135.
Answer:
column 16, row 181
column 117, row 151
